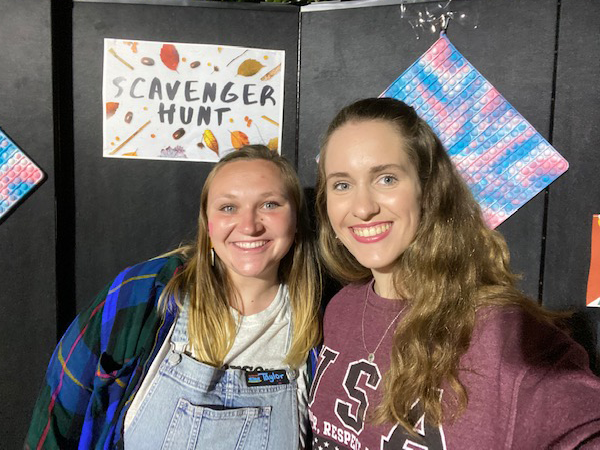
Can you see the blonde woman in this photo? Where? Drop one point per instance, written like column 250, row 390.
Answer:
column 205, row 347
column 430, row 345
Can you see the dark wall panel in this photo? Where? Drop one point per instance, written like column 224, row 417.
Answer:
column 575, row 197
column 355, row 53
column 27, row 284
column 131, row 210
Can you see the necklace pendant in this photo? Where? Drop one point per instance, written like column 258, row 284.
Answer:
column 371, row 357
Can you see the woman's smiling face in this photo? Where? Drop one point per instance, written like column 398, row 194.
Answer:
column 251, row 218
column 373, row 192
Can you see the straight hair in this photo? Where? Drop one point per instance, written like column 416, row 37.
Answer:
column 209, row 290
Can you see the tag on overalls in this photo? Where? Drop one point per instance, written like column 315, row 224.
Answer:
column 266, row 378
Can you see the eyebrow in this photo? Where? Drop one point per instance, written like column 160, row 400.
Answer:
column 373, row 170
column 263, row 195
column 384, row 167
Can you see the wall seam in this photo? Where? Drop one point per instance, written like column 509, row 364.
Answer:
column 64, row 186
column 550, row 140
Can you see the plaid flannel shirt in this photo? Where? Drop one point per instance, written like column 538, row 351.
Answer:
column 99, row 363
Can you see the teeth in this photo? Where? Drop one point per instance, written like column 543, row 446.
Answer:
column 253, row 244
column 371, row 231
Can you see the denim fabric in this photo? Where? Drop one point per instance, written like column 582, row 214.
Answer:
column 191, row 405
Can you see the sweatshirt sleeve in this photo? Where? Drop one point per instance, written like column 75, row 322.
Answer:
column 59, row 412
column 557, row 402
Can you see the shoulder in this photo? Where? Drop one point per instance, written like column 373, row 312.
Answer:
column 350, row 294
column 541, row 373
column 160, row 269
column 516, row 337
column 145, row 275
column 136, row 290
column 343, row 305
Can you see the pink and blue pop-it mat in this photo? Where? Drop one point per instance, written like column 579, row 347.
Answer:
column 18, row 175
column 503, row 159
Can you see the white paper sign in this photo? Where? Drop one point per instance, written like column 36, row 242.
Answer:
column 189, row 102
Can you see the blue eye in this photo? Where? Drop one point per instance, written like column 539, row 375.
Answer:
column 388, row 179
column 341, row 186
column 227, row 208
column 271, row 205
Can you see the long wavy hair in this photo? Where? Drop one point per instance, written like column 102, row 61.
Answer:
column 454, row 265
column 211, row 327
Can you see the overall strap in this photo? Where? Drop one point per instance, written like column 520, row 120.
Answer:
column 179, row 338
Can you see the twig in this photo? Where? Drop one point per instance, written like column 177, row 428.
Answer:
column 128, row 139
column 112, row 52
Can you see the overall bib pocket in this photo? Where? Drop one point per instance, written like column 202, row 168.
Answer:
column 193, row 426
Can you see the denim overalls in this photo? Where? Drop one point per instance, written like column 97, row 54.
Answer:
column 191, row 405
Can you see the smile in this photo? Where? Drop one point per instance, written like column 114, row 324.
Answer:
column 252, row 244
column 373, row 231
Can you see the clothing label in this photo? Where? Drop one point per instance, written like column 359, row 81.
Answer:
column 266, row 378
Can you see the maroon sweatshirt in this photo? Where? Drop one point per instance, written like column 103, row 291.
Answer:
column 529, row 384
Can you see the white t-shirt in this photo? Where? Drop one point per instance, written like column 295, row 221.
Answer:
column 261, row 342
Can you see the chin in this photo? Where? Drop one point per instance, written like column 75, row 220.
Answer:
column 376, row 264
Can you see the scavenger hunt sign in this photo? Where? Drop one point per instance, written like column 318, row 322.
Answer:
column 189, row 102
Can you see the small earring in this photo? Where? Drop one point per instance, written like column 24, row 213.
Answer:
column 212, row 257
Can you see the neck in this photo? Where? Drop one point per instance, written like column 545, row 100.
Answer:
column 253, row 294
column 384, row 285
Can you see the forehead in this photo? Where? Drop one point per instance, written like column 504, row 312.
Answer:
column 364, row 144
column 247, row 176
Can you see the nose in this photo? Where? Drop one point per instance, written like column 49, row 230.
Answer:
column 250, row 222
column 364, row 205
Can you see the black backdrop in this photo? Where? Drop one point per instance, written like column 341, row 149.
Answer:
column 87, row 221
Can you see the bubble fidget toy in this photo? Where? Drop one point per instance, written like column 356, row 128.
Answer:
column 18, row 175
column 503, row 159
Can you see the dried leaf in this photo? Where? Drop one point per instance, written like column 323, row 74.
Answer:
column 271, row 73
column 249, row 67
column 238, row 139
column 273, row 144
column 211, row 141
column 169, row 56
column 130, row 154
column 133, row 45
column 111, row 109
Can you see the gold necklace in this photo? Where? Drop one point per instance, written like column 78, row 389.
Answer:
column 371, row 356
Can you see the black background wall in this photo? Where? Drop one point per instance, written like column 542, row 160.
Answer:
column 131, row 210
column 575, row 197
column 94, row 216
column 355, row 53
column 27, row 237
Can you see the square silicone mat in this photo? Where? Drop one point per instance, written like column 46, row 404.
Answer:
column 18, row 175
column 503, row 159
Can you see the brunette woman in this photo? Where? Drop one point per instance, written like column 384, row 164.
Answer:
column 430, row 344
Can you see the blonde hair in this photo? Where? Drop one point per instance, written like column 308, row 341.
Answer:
column 211, row 326
column 454, row 265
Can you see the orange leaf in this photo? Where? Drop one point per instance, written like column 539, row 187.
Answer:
column 169, row 56
column 239, row 139
column 273, row 144
column 111, row 109
column 130, row 154
column 211, row 141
